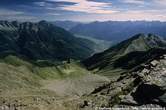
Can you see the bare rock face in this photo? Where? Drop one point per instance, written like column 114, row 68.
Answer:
column 152, row 88
column 144, row 87
column 154, row 63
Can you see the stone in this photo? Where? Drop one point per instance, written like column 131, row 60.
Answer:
column 128, row 99
column 154, row 63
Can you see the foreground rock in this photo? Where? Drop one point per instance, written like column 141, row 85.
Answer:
column 145, row 87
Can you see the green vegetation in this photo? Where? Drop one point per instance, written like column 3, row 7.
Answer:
column 64, row 70
column 15, row 61
column 31, row 82
column 18, row 73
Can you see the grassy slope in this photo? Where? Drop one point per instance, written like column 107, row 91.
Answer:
column 12, row 68
column 21, row 74
column 44, row 87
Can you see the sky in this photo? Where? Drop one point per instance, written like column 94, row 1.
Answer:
column 83, row 10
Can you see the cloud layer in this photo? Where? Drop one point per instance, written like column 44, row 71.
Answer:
column 88, row 7
column 83, row 10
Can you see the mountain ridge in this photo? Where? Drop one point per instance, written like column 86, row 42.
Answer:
column 111, row 58
column 117, row 31
column 42, row 40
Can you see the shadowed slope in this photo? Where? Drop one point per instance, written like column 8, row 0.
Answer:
column 41, row 41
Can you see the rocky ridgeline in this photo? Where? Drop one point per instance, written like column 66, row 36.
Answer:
column 143, row 87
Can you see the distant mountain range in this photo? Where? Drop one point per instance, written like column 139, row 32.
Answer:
column 117, row 31
column 42, row 41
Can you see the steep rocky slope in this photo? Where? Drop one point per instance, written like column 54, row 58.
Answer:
column 142, row 87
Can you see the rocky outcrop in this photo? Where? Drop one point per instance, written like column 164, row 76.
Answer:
column 144, row 86
column 151, row 89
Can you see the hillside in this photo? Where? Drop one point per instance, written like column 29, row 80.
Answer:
column 117, row 31
column 111, row 61
column 41, row 41
column 27, row 86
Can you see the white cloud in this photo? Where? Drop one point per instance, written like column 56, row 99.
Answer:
column 142, row 15
column 40, row 3
column 134, row 1
column 149, row 15
column 159, row 2
column 87, row 6
column 154, row 10
column 97, row 11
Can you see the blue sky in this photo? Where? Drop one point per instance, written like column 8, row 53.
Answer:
column 83, row 10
